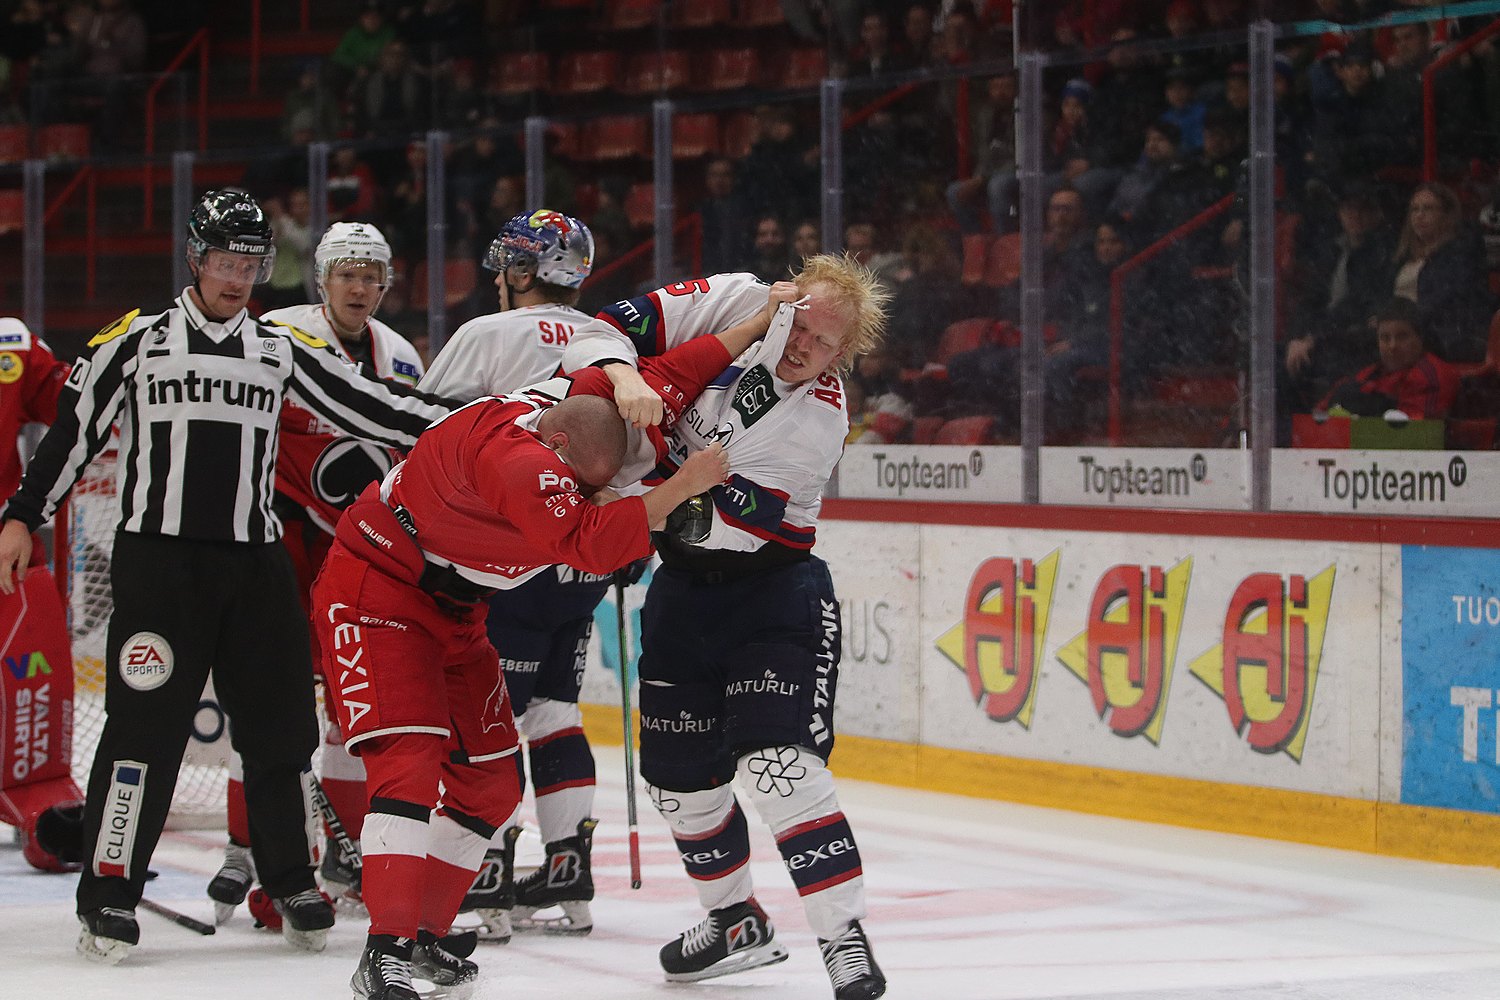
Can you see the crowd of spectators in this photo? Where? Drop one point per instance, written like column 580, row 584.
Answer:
column 1146, row 128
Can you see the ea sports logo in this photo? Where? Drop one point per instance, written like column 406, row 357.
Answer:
column 145, row 661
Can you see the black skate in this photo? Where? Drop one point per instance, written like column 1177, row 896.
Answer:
column 851, row 965
column 564, row 880
column 341, row 879
column 228, row 888
column 108, row 934
column 731, row 939
column 305, row 919
column 494, row 890
column 444, row 962
column 384, row 971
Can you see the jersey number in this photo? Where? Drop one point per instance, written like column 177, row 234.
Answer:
column 687, row 287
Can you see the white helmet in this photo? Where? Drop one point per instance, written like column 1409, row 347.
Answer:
column 351, row 241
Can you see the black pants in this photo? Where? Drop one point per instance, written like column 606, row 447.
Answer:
column 183, row 608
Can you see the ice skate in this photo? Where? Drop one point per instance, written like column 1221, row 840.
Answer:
column 565, row 880
column 494, row 890
column 341, row 880
column 305, row 919
column 108, row 934
column 228, row 888
column 731, row 939
column 851, row 965
column 444, row 962
column 384, row 971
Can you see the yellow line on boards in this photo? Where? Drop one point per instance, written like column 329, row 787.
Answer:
column 1430, row 834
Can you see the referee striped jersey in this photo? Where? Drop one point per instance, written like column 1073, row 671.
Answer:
column 198, row 403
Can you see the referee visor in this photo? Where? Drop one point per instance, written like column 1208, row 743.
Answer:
column 239, row 267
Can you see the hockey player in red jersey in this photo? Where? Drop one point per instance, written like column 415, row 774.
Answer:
column 740, row 630
column 37, row 793
column 319, row 472
column 492, row 495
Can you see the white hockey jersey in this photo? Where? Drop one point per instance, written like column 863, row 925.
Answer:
column 500, row 353
column 783, row 440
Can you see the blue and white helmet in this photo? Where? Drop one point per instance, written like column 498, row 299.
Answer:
column 558, row 249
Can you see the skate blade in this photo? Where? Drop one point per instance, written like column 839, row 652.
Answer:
column 313, row 941
column 495, row 926
column 575, row 918
column 751, row 958
column 223, row 912
column 105, row 951
column 453, row 991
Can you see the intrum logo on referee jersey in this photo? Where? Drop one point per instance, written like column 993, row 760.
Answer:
column 195, row 388
column 145, row 661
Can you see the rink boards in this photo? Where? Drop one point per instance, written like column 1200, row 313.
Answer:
column 1321, row 679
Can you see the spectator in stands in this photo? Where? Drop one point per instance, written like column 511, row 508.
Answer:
column 1223, row 153
column 461, row 104
column 839, row 19
column 916, row 32
column 726, row 219
column 993, row 136
column 930, row 297
column 506, row 200
column 779, row 174
column 474, row 168
column 1459, row 126
column 291, row 275
column 352, row 192
column 875, row 54
column 1408, row 377
column 1183, row 21
column 1343, row 280
column 1439, row 265
column 806, row 242
column 439, row 32
column 1158, row 157
column 769, row 260
column 391, row 100
column 1354, row 127
column 1184, row 109
column 359, row 50
column 311, row 106
column 406, row 210
column 113, row 40
column 1127, row 98
column 1082, row 318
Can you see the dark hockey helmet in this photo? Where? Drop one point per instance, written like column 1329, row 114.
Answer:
column 233, row 223
column 557, row 249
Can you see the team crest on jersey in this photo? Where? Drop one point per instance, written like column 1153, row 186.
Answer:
column 11, row 367
column 146, row 661
column 122, row 811
column 114, row 329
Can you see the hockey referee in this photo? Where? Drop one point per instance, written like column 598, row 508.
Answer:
column 200, row 580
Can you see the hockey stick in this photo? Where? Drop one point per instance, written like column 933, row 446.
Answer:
column 180, row 919
column 630, row 817
column 348, row 850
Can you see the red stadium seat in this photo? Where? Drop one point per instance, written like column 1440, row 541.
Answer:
column 521, row 73
column 804, row 68
column 976, row 253
column 12, row 211
column 700, row 14
column 694, row 136
column 729, row 69
column 640, row 205
column 738, row 133
column 1471, row 435
column 618, row 137
column 630, row 15
column 966, row 430
column 924, row 430
column 586, row 73
column 63, row 142
column 15, row 142
column 965, row 335
column 653, row 72
column 1002, row 266
column 761, row 14
column 567, row 140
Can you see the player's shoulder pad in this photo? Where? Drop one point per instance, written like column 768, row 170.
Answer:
column 114, row 329
column 316, row 343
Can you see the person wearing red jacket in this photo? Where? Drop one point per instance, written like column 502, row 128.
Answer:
column 492, row 495
column 30, row 379
column 1408, row 378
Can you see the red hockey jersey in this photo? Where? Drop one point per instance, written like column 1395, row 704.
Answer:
column 30, row 379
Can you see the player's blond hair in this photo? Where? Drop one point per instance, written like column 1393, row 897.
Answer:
column 858, row 291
